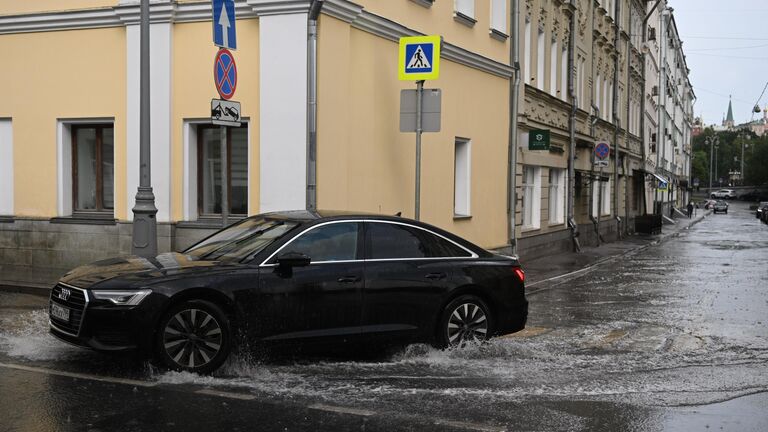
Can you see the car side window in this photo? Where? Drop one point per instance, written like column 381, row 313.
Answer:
column 332, row 242
column 388, row 241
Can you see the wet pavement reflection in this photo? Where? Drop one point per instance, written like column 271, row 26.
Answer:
column 672, row 337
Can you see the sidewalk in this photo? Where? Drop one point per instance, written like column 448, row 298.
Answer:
column 549, row 268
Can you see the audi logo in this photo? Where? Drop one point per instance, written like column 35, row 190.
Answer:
column 64, row 294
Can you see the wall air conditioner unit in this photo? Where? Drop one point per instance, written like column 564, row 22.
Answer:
column 655, row 91
column 651, row 34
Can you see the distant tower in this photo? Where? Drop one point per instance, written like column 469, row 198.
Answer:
column 728, row 123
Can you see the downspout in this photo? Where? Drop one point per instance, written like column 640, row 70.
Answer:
column 642, row 99
column 592, row 126
column 660, row 136
column 626, row 129
column 314, row 13
column 616, row 120
column 574, row 227
column 514, row 92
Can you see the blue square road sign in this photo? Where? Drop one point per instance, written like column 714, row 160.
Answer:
column 419, row 57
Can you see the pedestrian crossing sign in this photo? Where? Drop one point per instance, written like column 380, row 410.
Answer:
column 419, row 58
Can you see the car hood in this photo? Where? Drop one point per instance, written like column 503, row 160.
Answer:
column 135, row 270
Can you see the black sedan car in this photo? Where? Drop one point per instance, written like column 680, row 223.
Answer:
column 295, row 277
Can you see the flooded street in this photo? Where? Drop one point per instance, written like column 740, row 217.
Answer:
column 670, row 337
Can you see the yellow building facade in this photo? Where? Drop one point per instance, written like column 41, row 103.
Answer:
column 70, row 115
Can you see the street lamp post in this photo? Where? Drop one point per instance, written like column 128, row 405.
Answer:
column 144, row 241
column 741, row 173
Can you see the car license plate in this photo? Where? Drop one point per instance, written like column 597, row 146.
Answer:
column 60, row 312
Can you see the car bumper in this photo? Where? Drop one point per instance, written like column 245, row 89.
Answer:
column 106, row 328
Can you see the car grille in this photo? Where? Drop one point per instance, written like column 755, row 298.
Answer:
column 76, row 302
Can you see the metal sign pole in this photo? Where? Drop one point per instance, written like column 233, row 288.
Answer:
column 599, row 201
column 224, row 177
column 419, row 94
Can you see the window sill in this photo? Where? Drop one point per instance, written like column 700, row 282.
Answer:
column 498, row 35
column 425, row 3
column 529, row 228
column 7, row 219
column 461, row 217
column 86, row 219
column 464, row 19
column 554, row 224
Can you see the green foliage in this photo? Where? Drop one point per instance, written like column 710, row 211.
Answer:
column 727, row 156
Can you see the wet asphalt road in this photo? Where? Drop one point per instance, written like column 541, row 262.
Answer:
column 672, row 337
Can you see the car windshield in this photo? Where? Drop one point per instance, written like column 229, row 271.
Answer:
column 241, row 240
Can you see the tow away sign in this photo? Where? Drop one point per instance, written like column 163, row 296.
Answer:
column 419, row 58
column 225, row 113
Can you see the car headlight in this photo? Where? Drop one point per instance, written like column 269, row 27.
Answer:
column 122, row 298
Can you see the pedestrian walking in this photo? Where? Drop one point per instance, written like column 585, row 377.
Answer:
column 690, row 209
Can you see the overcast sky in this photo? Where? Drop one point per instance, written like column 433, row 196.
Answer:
column 726, row 47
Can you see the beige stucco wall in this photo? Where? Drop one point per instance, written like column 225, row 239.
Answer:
column 438, row 19
column 193, row 89
column 366, row 164
column 54, row 75
column 13, row 7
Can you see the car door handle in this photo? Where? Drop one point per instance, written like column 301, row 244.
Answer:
column 349, row 279
column 435, row 276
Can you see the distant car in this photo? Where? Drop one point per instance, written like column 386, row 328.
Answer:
column 723, row 194
column 720, row 207
column 764, row 214
column 760, row 209
column 708, row 204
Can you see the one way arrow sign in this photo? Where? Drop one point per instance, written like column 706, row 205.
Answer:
column 224, row 34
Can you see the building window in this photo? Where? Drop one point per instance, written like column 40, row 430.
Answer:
column 527, row 59
column 601, row 189
column 564, row 74
column 462, row 174
column 531, row 197
column 209, row 170
column 6, row 167
column 465, row 7
column 540, row 61
column 556, row 195
column 499, row 15
column 553, row 69
column 93, row 173
column 598, row 86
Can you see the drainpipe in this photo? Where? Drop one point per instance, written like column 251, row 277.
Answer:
column 514, row 92
column 616, row 120
column 642, row 100
column 660, row 136
column 595, row 220
column 574, row 227
column 626, row 129
column 314, row 13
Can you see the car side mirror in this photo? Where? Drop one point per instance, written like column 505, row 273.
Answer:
column 293, row 259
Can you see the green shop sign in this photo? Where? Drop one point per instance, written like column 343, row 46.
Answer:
column 538, row 139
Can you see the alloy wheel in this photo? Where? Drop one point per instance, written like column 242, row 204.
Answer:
column 192, row 338
column 467, row 322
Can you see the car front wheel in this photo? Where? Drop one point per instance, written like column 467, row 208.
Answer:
column 465, row 319
column 194, row 336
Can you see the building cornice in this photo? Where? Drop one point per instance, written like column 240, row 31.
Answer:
column 165, row 11
column 359, row 18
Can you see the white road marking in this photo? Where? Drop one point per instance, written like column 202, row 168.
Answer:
column 471, row 426
column 231, row 395
column 343, row 410
column 84, row 376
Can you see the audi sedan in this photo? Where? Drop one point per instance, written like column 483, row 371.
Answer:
column 295, row 277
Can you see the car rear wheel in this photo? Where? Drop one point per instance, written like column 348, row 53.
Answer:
column 194, row 336
column 465, row 319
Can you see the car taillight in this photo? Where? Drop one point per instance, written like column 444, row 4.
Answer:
column 520, row 274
